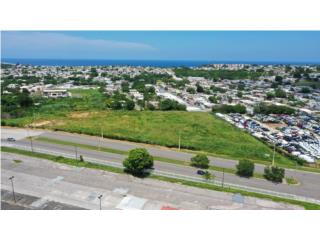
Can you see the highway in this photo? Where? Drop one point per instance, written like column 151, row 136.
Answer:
column 49, row 185
column 309, row 182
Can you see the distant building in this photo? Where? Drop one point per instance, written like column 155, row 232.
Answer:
column 55, row 93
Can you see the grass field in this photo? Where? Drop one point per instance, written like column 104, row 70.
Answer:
column 199, row 131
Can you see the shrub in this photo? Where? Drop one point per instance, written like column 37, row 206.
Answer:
column 274, row 174
column 81, row 158
column 245, row 168
column 208, row 176
column 168, row 105
column 200, row 160
column 230, row 109
column 273, row 109
column 138, row 161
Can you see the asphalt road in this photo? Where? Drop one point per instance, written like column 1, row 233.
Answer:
column 45, row 182
column 309, row 182
column 154, row 150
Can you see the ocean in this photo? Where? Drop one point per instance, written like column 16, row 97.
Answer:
column 143, row 63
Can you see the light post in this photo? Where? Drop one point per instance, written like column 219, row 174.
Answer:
column 274, row 152
column 100, row 196
column 14, row 196
column 76, row 151
column 31, row 143
column 31, row 140
column 179, row 140
column 100, row 140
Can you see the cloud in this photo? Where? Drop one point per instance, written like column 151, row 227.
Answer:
column 59, row 45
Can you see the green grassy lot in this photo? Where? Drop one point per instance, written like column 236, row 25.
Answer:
column 199, row 131
column 77, row 163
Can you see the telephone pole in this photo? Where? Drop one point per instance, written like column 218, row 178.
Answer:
column 100, row 140
column 76, row 151
column 100, row 196
column 31, row 140
column 274, row 152
column 14, row 196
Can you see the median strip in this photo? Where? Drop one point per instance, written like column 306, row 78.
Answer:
column 156, row 158
column 77, row 163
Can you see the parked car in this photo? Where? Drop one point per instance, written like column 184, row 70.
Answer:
column 201, row 172
column 11, row 139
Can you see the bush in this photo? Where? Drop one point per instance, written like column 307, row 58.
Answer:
column 200, row 160
column 273, row 109
column 208, row 176
column 230, row 109
column 274, row 174
column 245, row 168
column 81, row 158
column 138, row 161
column 168, row 105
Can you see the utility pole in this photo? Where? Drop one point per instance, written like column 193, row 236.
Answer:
column 31, row 140
column 179, row 140
column 14, row 196
column 274, row 152
column 222, row 177
column 76, row 151
column 100, row 141
column 100, row 196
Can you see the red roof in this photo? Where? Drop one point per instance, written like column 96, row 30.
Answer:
column 168, row 208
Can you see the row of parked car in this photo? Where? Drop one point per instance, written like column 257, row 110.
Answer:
column 297, row 136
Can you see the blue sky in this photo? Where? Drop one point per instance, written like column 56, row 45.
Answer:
column 296, row 46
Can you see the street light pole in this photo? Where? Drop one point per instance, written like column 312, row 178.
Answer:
column 179, row 139
column 274, row 152
column 76, row 151
column 31, row 140
column 100, row 140
column 100, row 196
column 14, row 196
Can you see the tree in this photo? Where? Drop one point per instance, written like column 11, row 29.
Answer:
column 279, row 79
column 24, row 100
column 116, row 105
column 200, row 160
column 125, row 87
column 274, row 173
column 208, row 176
column 199, row 88
column 230, row 109
column 239, row 94
column 191, row 90
column 273, row 109
column 270, row 95
column 305, row 90
column 168, row 105
column 129, row 104
column 245, row 168
column 279, row 93
column 138, row 161
column 213, row 99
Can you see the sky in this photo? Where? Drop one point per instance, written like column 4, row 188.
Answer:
column 274, row 46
